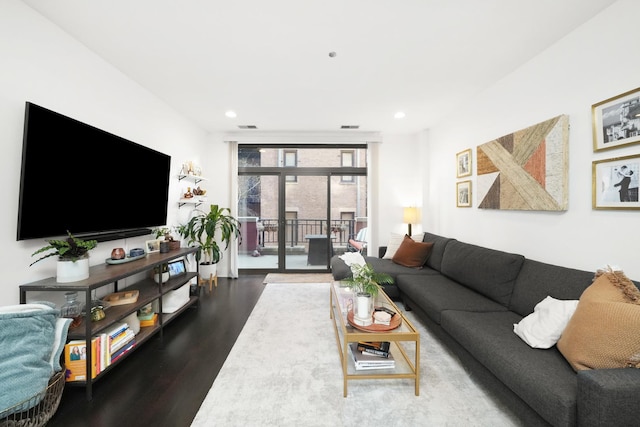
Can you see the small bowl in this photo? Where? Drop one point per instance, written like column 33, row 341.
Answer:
column 136, row 252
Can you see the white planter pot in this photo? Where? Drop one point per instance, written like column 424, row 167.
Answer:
column 165, row 277
column 208, row 271
column 72, row 271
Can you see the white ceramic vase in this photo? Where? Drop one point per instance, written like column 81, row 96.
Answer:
column 72, row 271
column 364, row 306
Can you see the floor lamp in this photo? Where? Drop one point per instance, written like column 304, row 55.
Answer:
column 410, row 216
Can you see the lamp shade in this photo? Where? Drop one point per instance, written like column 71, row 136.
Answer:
column 411, row 215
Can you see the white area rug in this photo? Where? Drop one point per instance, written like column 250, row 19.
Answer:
column 284, row 370
column 298, row 278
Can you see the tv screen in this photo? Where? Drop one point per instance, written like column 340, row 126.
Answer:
column 82, row 179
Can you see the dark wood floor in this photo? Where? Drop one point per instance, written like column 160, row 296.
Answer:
column 164, row 383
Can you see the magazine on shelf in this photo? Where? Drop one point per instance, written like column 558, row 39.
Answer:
column 364, row 361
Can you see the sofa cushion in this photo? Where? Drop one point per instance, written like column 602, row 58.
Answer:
column 542, row 378
column 411, row 253
column 439, row 243
column 487, row 271
column 603, row 332
column 543, row 327
column 395, row 240
column 436, row 293
column 538, row 280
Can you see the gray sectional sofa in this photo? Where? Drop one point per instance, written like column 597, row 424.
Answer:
column 470, row 297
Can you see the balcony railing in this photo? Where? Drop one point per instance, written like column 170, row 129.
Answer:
column 341, row 230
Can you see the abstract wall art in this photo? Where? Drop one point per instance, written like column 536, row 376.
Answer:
column 526, row 170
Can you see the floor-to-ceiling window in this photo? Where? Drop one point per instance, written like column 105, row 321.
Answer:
column 299, row 204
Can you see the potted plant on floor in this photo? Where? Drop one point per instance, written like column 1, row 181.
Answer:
column 73, row 257
column 203, row 229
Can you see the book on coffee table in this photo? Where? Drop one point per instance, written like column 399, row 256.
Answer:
column 364, row 360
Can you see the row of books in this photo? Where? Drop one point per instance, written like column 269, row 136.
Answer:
column 372, row 355
column 106, row 349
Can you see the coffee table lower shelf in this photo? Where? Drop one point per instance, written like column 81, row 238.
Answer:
column 406, row 367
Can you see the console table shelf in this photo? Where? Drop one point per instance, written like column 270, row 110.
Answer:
column 107, row 274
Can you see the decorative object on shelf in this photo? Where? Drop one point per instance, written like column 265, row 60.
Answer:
column 188, row 194
column 164, row 246
column 73, row 257
column 122, row 298
column 165, row 233
column 72, row 309
column 365, row 284
column 177, row 268
column 165, row 273
column 127, row 259
column 202, row 230
column 135, row 252
column 622, row 124
column 152, row 245
column 615, row 183
column 118, row 253
column 199, row 191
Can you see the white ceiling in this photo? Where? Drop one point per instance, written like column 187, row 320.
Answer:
column 269, row 60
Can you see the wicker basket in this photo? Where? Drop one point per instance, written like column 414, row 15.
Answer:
column 42, row 405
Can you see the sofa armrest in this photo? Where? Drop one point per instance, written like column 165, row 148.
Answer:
column 608, row 397
column 381, row 251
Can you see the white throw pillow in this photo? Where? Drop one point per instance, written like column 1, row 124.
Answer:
column 395, row 240
column 543, row 327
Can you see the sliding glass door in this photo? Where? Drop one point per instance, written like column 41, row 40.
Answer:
column 299, row 205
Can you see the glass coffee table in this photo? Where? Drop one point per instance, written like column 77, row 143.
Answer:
column 403, row 337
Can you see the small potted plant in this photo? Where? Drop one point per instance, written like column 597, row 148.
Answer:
column 365, row 284
column 203, row 229
column 73, row 257
column 165, row 232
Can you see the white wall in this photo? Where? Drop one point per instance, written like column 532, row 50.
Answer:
column 597, row 61
column 42, row 64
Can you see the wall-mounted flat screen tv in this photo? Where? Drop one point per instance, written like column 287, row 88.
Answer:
column 88, row 181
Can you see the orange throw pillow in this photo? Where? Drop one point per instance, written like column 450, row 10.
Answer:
column 411, row 253
column 603, row 331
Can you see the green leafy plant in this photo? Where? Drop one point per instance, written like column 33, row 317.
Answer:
column 70, row 249
column 203, row 229
column 365, row 280
column 161, row 232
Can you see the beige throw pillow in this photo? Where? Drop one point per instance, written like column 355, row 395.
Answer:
column 603, row 331
column 395, row 240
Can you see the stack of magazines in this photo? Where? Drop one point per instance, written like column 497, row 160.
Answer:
column 364, row 360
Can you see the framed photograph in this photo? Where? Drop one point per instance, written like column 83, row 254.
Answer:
column 616, row 121
column 615, row 183
column 152, row 246
column 463, row 163
column 177, row 268
column 463, row 194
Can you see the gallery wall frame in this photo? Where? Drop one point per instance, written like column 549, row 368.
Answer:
column 615, row 183
column 463, row 194
column 463, row 163
column 616, row 121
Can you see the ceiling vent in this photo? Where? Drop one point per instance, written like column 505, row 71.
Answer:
column 350, row 127
column 248, row 126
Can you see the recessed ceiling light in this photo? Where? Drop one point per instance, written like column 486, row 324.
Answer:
column 399, row 115
column 231, row 114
